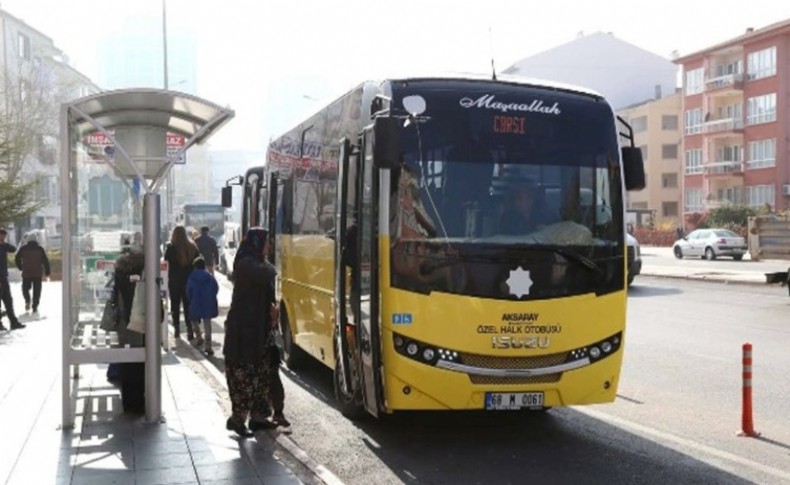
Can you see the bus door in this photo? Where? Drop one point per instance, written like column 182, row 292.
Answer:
column 271, row 217
column 356, row 248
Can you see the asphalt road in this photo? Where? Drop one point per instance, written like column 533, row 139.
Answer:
column 675, row 420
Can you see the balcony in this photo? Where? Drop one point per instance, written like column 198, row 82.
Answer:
column 717, row 203
column 723, row 167
column 724, row 126
column 729, row 82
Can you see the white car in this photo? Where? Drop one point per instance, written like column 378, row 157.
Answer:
column 634, row 258
column 227, row 252
column 710, row 244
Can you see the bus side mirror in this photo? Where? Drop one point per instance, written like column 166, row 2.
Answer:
column 227, row 196
column 386, row 139
column 633, row 168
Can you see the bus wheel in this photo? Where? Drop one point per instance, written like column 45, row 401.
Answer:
column 349, row 404
column 293, row 356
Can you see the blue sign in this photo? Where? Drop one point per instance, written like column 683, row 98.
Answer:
column 401, row 319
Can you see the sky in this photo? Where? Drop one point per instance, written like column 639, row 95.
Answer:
column 276, row 61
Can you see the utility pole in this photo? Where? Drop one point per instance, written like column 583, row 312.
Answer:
column 170, row 183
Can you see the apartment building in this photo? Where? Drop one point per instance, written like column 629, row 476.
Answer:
column 656, row 125
column 736, row 122
column 35, row 78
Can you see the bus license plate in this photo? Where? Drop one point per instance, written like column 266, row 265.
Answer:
column 496, row 401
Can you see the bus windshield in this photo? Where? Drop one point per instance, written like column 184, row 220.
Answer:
column 500, row 177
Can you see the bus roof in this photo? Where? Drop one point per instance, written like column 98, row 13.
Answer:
column 503, row 78
column 447, row 76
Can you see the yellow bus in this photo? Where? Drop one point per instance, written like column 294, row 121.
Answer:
column 453, row 243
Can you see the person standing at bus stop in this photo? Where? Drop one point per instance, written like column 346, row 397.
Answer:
column 207, row 246
column 5, row 286
column 248, row 335
column 179, row 254
column 32, row 260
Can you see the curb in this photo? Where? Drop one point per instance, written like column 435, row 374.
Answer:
column 712, row 278
column 320, row 471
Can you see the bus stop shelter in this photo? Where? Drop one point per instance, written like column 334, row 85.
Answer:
column 124, row 137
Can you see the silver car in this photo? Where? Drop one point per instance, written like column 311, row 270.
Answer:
column 710, row 244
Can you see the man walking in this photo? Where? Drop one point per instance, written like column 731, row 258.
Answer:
column 5, row 287
column 32, row 260
column 207, row 246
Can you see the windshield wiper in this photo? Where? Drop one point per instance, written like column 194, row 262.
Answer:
column 573, row 256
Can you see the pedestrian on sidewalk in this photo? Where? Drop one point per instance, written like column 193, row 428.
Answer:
column 202, row 291
column 5, row 286
column 248, row 335
column 32, row 260
column 207, row 246
column 179, row 254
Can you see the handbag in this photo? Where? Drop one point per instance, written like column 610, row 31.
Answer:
column 137, row 317
column 110, row 316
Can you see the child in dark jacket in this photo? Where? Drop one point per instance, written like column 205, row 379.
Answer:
column 202, row 291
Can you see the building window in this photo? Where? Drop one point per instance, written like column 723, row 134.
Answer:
column 759, row 195
column 762, row 154
column 761, row 63
column 669, row 180
column 694, row 81
column 669, row 209
column 694, row 200
column 669, row 122
column 761, row 109
column 729, row 153
column 639, row 124
column 734, row 67
column 693, row 121
column 24, row 46
column 693, row 161
column 638, row 205
column 669, row 151
column 644, row 152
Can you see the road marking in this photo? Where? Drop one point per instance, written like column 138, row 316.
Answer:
column 710, row 357
column 714, row 452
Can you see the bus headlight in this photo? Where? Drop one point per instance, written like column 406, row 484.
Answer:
column 428, row 354
column 606, row 347
column 398, row 340
column 412, row 349
column 595, row 352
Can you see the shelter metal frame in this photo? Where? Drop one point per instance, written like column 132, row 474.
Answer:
column 130, row 119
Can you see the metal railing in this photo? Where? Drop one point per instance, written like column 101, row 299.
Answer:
column 724, row 124
column 728, row 80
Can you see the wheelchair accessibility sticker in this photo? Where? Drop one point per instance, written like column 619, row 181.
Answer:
column 401, row 319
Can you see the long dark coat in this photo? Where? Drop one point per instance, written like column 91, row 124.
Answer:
column 248, row 324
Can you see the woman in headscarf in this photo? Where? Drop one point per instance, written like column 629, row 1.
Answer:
column 179, row 254
column 248, row 334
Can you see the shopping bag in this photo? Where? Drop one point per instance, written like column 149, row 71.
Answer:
column 137, row 317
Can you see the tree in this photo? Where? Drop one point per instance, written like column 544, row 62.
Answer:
column 16, row 203
column 31, row 93
column 728, row 215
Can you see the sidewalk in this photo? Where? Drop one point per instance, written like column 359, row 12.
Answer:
column 746, row 271
column 191, row 446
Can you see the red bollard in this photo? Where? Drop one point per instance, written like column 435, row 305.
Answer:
column 747, row 423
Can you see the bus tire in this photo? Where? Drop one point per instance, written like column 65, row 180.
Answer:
column 293, row 356
column 349, row 405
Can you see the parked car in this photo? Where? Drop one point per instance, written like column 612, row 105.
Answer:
column 227, row 251
column 634, row 258
column 710, row 244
